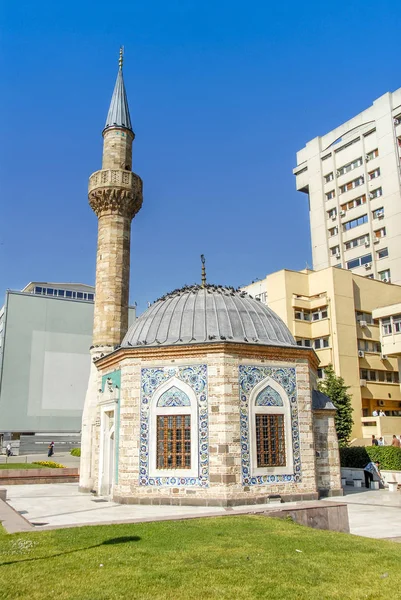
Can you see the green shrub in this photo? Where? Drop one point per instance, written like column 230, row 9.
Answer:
column 49, row 463
column 76, row 452
column 357, row 457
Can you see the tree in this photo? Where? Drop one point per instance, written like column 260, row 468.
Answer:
column 336, row 390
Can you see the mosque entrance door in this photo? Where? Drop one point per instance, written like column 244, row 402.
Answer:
column 108, row 453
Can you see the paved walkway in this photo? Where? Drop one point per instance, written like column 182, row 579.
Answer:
column 64, row 458
column 375, row 514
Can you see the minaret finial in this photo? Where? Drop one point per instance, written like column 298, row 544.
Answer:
column 203, row 270
column 121, row 59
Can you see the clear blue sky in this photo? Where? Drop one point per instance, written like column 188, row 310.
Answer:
column 222, row 94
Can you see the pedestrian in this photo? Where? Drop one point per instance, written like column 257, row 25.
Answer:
column 371, row 472
column 374, row 441
column 8, row 449
column 381, row 442
column 51, row 449
column 395, row 442
column 375, row 413
column 382, row 413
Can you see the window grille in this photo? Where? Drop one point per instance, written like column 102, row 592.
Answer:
column 174, row 442
column 270, row 440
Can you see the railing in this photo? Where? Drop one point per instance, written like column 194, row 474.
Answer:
column 380, row 426
column 111, row 178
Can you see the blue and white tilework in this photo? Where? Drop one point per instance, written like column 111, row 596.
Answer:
column 173, row 397
column 196, row 377
column 249, row 376
column 268, row 397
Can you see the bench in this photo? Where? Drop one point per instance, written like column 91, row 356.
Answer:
column 357, row 483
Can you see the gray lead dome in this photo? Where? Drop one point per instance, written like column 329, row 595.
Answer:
column 203, row 315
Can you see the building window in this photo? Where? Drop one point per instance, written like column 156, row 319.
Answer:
column 333, row 231
column 374, row 174
column 379, row 233
column 354, row 203
column 332, row 214
column 366, row 317
column 397, row 323
column 372, row 154
column 335, row 250
column 320, row 373
column 349, row 167
column 270, row 440
column 378, row 213
column 262, row 297
column 359, row 262
column 381, row 376
column 351, row 185
column 304, row 342
column 386, row 327
column 320, row 343
column 329, row 177
column 368, row 346
column 359, row 241
column 173, row 442
column 319, row 313
column 385, row 276
column 90, row 296
column 376, row 193
column 355, row 222
column 330, row 195
column 302, row 314
column 382, row 253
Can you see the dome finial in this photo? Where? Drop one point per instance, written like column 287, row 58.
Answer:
column 121, row 59
column 203, row 261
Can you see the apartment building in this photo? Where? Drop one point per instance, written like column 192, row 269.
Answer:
column 333, row 311
column 352, row 176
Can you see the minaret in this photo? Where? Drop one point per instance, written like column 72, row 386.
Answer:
column 115, row 195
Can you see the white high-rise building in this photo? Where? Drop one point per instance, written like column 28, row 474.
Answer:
column 353, row 178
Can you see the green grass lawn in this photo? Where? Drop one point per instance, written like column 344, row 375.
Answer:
column 241, row 558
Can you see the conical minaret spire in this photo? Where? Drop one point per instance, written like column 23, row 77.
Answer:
column 115, row 195
column 118, row 115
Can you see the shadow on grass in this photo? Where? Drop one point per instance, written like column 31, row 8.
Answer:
column 120, row 540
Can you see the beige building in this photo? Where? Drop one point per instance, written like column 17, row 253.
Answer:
column 352, row 176
column 335, row 312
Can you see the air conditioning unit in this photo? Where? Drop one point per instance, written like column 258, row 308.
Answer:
column 362, row 323
column 396, row 121
column 380, row 215
column 338, row 255
column 368, row 266
column 367, row 243
column 362, row 382
column 381, row 403
column 334, row 217
column 371, row 196
column 377, row 241
column 342, row 213
column 361, row 353
column 383, row 356
column 367, row 158
column 385, row 280
column 338, row 173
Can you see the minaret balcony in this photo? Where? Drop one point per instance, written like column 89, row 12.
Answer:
column 114, row 178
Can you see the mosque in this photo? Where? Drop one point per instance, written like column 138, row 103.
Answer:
column 206, row 399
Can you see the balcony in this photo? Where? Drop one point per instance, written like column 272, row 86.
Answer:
column 380, row 426
column 114, row 178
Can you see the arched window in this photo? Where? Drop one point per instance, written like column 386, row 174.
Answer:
column 173, row 431
column 270, row 419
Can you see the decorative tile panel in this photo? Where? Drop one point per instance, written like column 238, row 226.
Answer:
column 174, row 397
column 249, row 377
column 268, row 397
column 151, row 379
